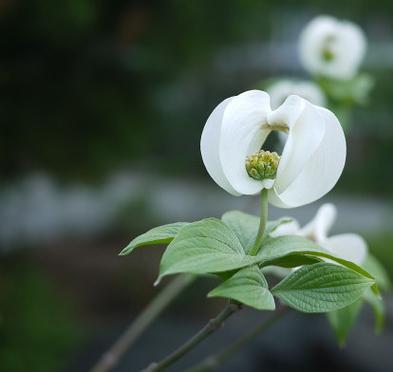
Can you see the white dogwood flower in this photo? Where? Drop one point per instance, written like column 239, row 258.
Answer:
column 332, row 48
column 351, row 247
column 308, row 90
column 311, row 162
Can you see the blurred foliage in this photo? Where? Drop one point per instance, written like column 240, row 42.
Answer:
column 89, row 86
column 36, row 326
column 381, row 247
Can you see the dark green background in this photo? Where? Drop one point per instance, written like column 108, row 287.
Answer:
column 92, row 86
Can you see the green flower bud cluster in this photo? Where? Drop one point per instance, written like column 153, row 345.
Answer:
column 262, row 165
column 327, row 54
column 328, row 51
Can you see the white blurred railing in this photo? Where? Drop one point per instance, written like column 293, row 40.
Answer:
column 38, row 209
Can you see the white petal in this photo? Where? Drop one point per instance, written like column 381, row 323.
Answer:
column 210, row 147
column 279, row 91
column 242, row 135
column 311, row 92
column 347, row 42
column 288, row 113
column 318, row 228
column 351, row 247
column 306, row 131
column 282, row 89
column 311, row 41
column 322, row 170
column 354, row 36
column 290, row 228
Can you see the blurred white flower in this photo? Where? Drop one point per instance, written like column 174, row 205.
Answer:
column 312, row 159
column 280, row 90
column 351, row 247
column 332, row 48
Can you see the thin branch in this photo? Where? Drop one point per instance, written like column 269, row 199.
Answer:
column 212, row 326
column 215, row 360
column 111, row 358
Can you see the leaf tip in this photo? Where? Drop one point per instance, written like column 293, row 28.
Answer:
column 128, row 249
column 124, row 252
column 375, row 289
column 159, row 278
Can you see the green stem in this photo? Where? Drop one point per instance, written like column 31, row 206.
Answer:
column 262, row 223
column 215, row 360
column 212, row 326
column 111, row 358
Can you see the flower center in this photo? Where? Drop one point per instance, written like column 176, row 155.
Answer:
column 328, row 49
column 262, row 165
column 327, row 54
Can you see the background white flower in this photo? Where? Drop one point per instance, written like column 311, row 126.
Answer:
column 280, row 90
column 351, row 247
column 332, row 48
column 312, row 159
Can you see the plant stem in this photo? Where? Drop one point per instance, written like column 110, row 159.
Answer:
column 215, row 360
column 212, row 326
column 110, row 358
column 262, row 223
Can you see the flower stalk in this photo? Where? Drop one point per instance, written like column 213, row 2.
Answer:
column 262, row 223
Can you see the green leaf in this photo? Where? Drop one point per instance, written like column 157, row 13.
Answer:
column 349, row 265
column 246, row 226
column 321, row 287
column 378, row 308
column 294, row 260
column 206, row 246
column 355, row 90
column 277, row 248
column 159, row 235
column 374, row 267
column 247, row 286
column 343, row 320
column 210, row 246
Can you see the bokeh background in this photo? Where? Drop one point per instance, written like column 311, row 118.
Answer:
column 102, row 104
